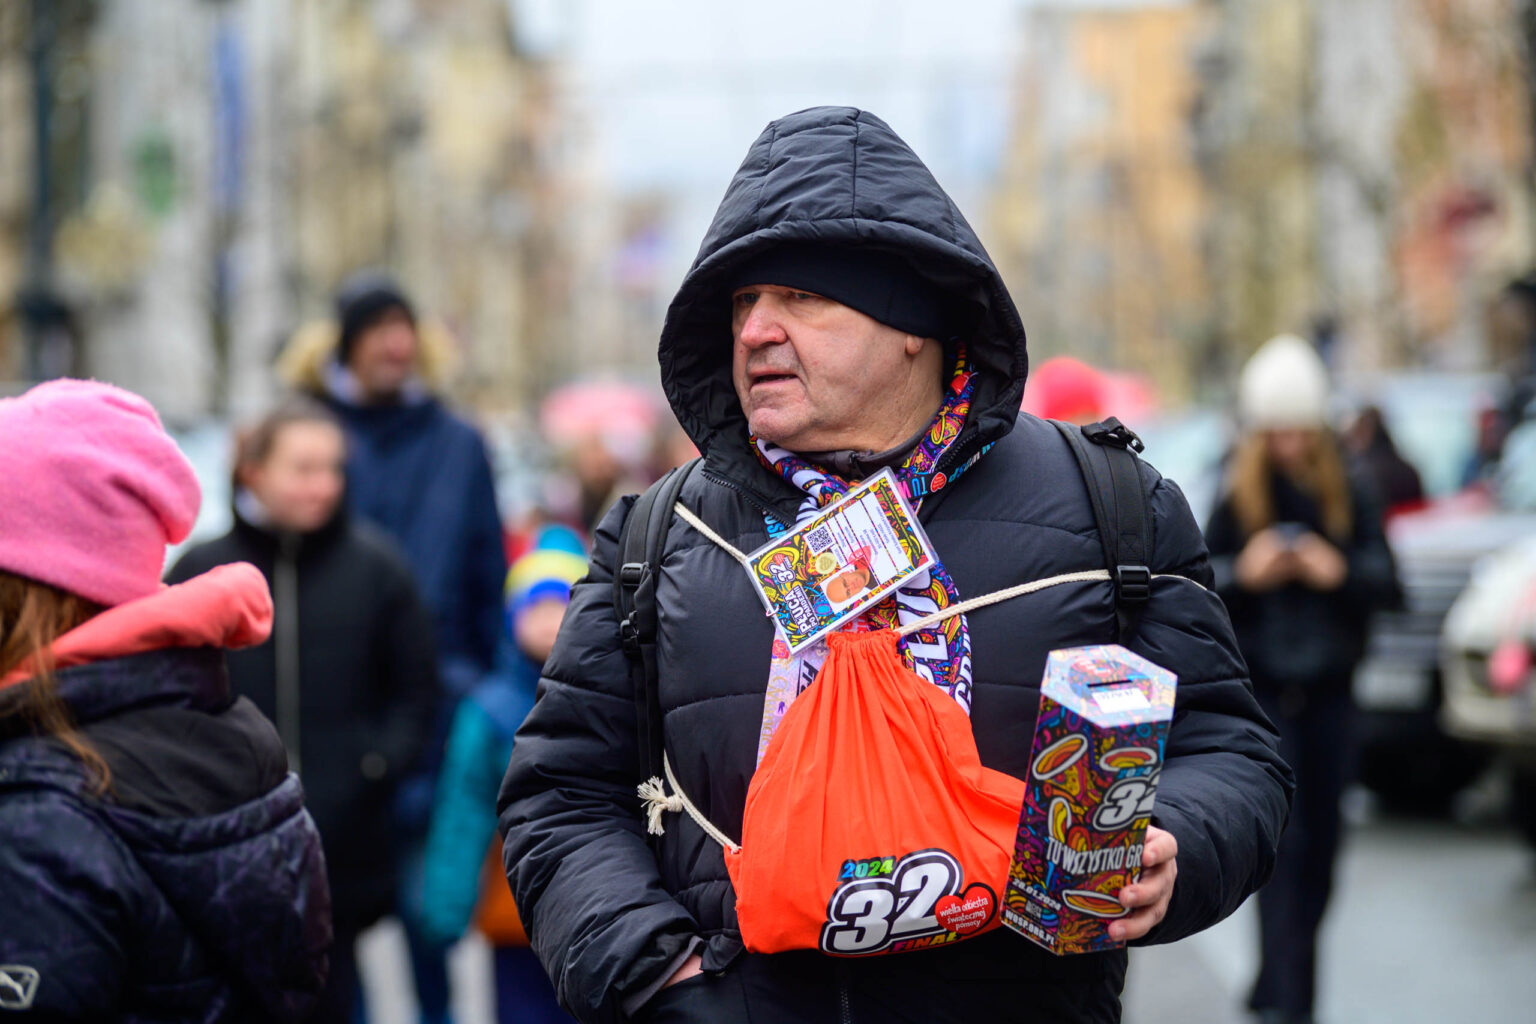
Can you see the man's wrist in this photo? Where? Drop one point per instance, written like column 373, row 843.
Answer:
column 633, row 1002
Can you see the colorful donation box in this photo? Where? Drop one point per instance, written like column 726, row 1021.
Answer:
column 1093, row 770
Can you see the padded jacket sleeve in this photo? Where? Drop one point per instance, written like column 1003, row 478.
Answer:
column 1371, row 581
column 70, row 902
column 584, row 876
column 1224, row 792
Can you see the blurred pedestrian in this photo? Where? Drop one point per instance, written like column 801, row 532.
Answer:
column 423, row 475
column 1301, row 561
column 1398, row 486
column 463, row 877
column 1063, row 388
column 843, row 320
column 156, row 859
column 348, row 675
column 604, row 432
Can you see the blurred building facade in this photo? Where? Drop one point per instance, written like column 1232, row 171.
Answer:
column 241, row 157
column 1370, row 165
column 1185, row 180
column 1099, row 210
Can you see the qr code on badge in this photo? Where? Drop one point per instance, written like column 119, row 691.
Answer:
column 819, row 539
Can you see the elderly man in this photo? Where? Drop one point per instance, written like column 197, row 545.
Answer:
column 842, row 319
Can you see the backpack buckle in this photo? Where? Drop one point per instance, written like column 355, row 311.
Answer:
column 629, row 636
column 1114, row 433
column 630, row 576
column 1133, row 583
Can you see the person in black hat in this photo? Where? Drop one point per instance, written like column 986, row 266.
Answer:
column 378, row 341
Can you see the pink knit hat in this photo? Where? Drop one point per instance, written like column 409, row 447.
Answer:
column 92, row 489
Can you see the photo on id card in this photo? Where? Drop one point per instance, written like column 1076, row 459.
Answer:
column 851, row 556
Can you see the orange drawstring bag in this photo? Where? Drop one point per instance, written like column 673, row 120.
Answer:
column 871, row 825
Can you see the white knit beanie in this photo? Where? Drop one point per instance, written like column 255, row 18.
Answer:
column 1284, row 384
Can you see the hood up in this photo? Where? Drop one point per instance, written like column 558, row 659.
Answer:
column 839, row 176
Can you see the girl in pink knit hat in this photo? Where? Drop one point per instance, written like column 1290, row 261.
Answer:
column 133, row 787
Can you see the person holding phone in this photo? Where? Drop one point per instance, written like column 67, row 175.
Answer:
column 1300, row 558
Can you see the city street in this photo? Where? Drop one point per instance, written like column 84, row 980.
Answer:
column 1432, row 923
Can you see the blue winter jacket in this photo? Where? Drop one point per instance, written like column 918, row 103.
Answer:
column 423, row 476
column 193, row 890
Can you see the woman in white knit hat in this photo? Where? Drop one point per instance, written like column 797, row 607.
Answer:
column 1301, row 561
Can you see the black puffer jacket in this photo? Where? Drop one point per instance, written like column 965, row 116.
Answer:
column 608, row 910
column 192, row 891
column 366, row 690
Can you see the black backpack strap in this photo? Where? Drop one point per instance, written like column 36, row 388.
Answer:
column 1106, row 454
column 642, row 542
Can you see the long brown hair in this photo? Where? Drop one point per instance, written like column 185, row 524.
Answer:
column 33, row 616
column 1322, row 478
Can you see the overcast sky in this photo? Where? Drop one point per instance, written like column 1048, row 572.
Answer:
column 674, row 91
column 677, row 89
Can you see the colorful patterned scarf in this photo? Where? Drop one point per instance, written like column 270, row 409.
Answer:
column 941, row 654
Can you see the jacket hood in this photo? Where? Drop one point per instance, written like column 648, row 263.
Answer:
column 228, row 607
column 836, row 176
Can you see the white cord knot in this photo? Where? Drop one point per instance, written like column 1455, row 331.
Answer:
column 654, row 797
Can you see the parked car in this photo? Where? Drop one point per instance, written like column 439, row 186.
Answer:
column 1408, row 757
column 1490, row 689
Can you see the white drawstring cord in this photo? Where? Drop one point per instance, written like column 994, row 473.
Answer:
column 654, row 796
column 653, row 793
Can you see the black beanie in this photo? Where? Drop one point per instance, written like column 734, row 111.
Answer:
column 878, row 284
column 361, row 301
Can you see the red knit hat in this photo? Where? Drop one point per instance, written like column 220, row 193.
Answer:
column 92, row 489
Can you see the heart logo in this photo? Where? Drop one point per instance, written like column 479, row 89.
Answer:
column 968, row 912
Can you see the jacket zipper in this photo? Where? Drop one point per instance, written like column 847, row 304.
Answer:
column 844, row 1004
column 285, row 646
column 752, row 499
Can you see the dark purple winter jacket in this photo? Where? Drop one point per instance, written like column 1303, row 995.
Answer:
column 193, row 890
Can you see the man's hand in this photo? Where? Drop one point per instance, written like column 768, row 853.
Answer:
column 1265, row 562
column 1148, row 898
column 692, row 966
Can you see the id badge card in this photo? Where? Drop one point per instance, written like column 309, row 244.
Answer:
column 851, row 556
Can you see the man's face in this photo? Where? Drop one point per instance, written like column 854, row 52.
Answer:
column 384, row 354
column 812, row 373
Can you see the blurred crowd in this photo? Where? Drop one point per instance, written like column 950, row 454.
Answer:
column 365, row 489
column 412, row 618
column 412, row 614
